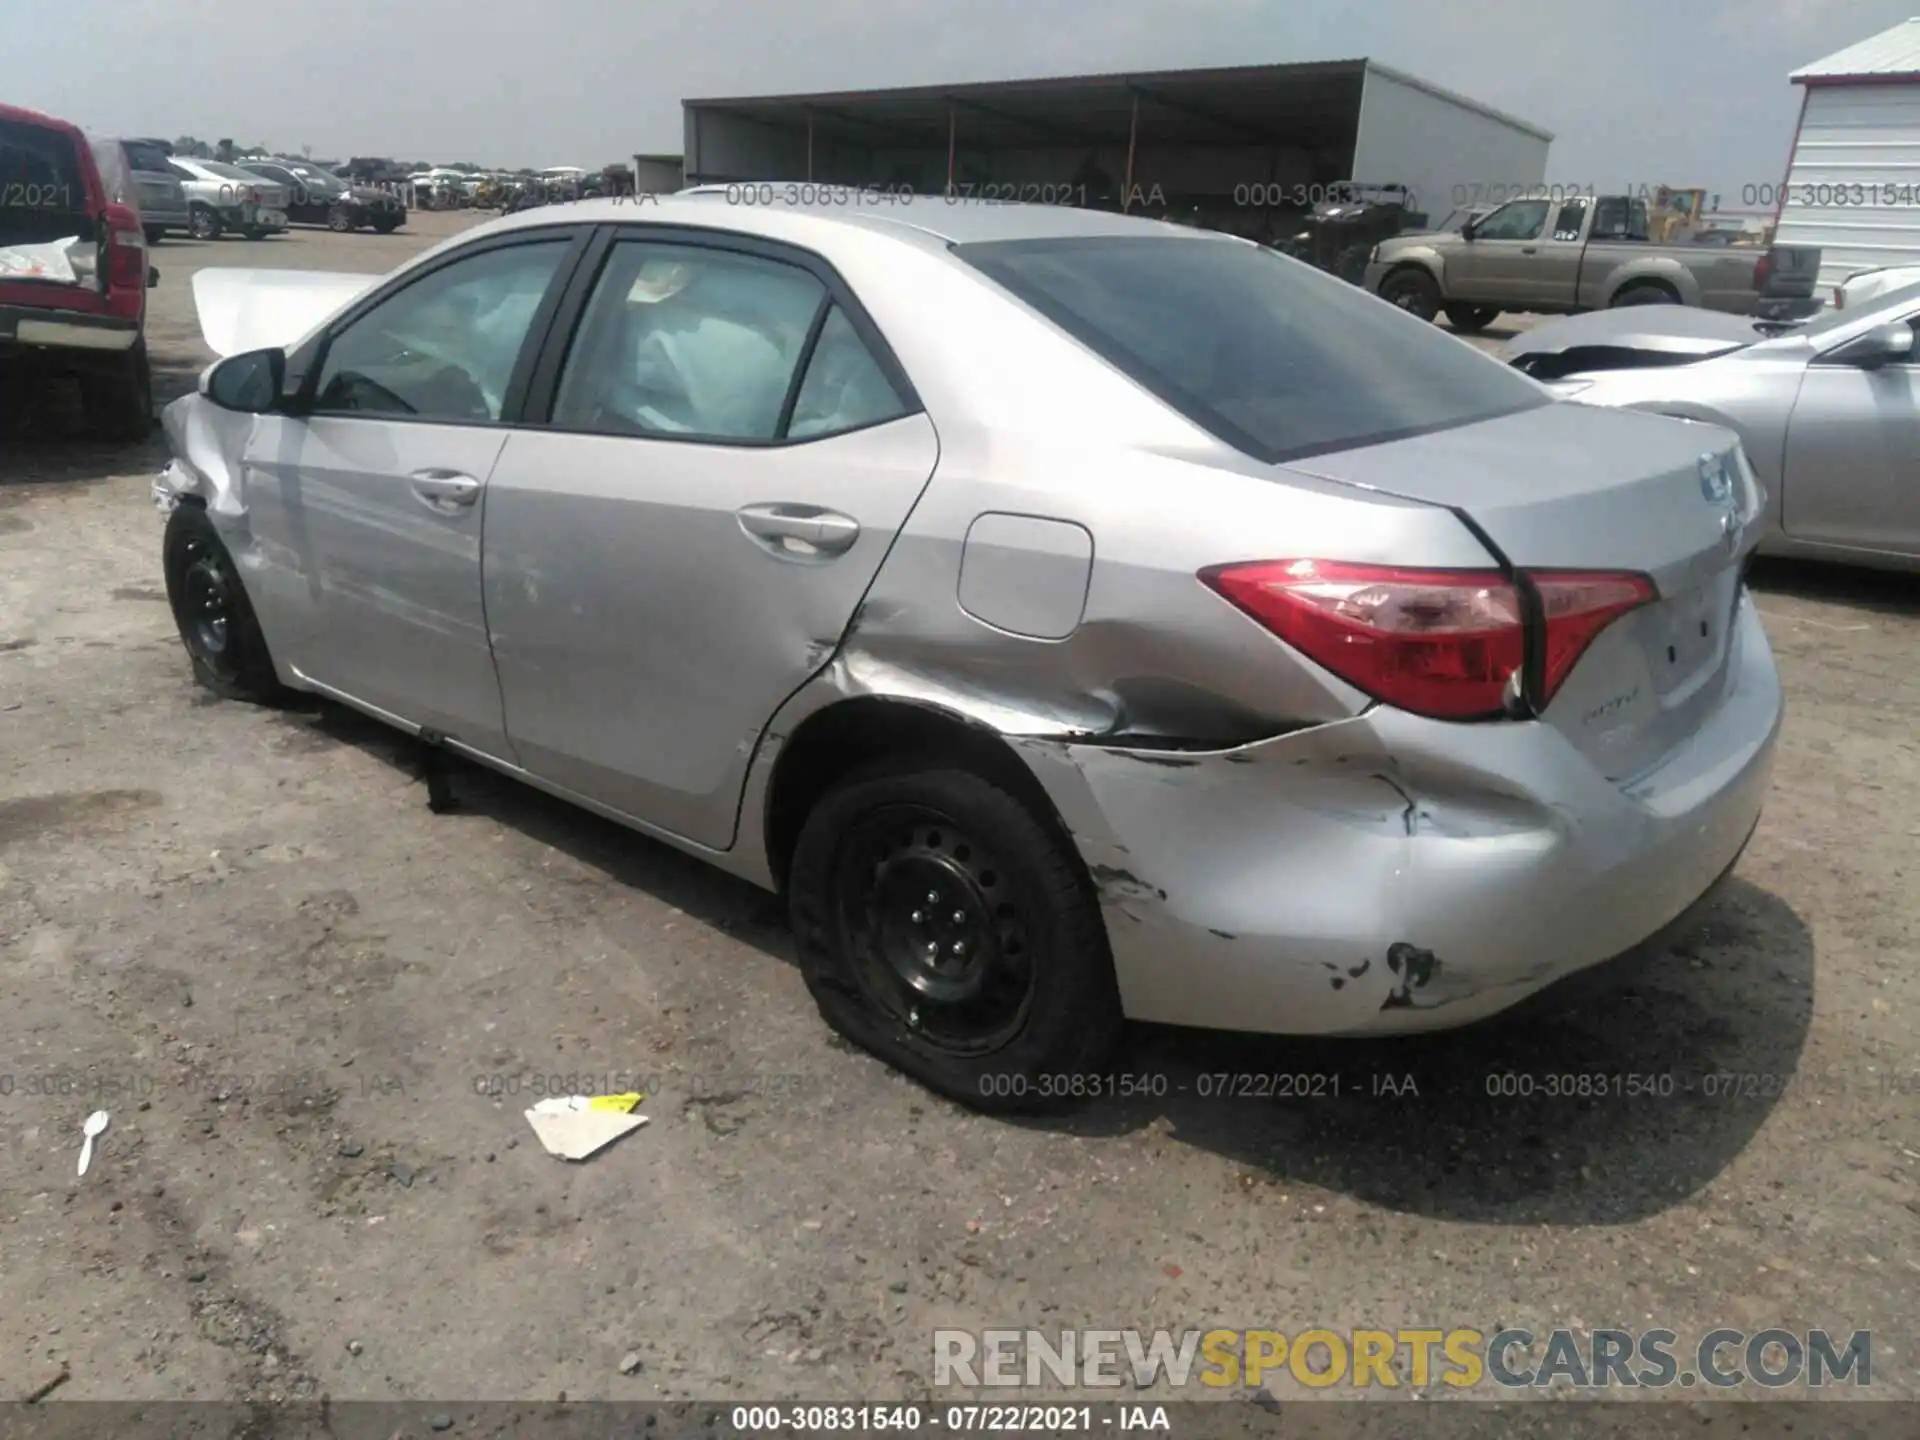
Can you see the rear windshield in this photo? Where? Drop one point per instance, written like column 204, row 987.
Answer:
column 43, row 195
column 225, row 171
column 1276, row 358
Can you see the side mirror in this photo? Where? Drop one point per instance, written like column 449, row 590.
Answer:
column 249, row 383
column 1470, row 229
column 1886, row 345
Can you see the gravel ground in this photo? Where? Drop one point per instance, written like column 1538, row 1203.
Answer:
column 293, row 986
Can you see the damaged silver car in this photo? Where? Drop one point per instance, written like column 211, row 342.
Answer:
column 1076, row 617
column 1828, row 410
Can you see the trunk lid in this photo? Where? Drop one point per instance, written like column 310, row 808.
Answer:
column 1575, row 487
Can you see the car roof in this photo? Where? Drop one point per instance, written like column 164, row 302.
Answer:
column 34, row 117
column 929, row 221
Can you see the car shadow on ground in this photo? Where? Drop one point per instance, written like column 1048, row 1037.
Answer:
column 46, row 438
column 1885, row 592
column 1610, row 1097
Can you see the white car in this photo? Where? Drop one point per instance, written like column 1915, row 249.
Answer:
column 1857, row 289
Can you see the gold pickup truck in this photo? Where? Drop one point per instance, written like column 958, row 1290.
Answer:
column 1566, row 254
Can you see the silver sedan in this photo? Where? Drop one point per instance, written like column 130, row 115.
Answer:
column 1828, row 412
column 1075, row 617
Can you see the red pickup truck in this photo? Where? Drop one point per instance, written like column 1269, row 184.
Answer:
column 73, row 268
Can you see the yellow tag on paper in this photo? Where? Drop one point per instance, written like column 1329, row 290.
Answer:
column 622, row 1103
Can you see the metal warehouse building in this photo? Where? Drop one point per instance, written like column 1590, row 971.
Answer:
column 1853, row 175
column 1226, row 145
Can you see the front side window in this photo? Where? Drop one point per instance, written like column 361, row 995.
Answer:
column 1566, row 225
column 681, row 340
column 1517, row 220
column 444, row 347
column 1276, row 358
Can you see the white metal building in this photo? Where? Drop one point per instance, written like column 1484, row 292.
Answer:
column 1853, row 175
column 1225, row 143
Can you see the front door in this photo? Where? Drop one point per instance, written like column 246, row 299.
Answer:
column 1852, row 472
column 368, row 508
column 730, row 454
column 1496, row 267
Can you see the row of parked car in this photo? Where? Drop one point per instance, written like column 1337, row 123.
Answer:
column 254, row 198
column 78, row 214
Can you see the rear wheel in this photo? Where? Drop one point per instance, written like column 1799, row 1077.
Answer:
column 1645, row 295
column 1471, row 319
column 204, row 224
column 386, row 225
column 950, row 930
column 118, row 402
column 211, row 609
column 154, row 234
column 1414, row 291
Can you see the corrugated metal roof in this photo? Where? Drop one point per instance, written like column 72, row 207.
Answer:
column 1889, row 54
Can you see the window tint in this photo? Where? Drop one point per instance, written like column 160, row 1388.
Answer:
column 181, row 171
column 1517, row 220
column 683, row 340
column 444, row 347
column 844, row 388
column 43, row 196
column 1274, row 357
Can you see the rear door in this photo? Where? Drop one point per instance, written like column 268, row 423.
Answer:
column 730, row 451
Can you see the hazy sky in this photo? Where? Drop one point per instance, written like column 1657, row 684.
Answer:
column 1636, row 91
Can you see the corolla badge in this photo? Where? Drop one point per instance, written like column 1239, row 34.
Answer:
column 1716, row 479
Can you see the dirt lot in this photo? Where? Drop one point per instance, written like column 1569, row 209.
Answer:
column 244, row 934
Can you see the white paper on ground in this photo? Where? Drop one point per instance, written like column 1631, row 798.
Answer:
column 574, row 1126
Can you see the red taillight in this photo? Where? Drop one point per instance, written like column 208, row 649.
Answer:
column 1762, row 269
column 1440, row 643
column 126, row 260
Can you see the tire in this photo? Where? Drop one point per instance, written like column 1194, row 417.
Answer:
column 1471, row 319
column 385, row 226
column 255, row 232
column 1414, row 291
column 118, row 403
column 204, row 224
column 340, row 221
column 1646, row 294
column 1351, row 264
column 1032, row 999
column 154, row 234
column 214, row 616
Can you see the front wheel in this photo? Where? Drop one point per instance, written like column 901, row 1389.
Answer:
column 1471, row 319
column 947, row 928
column 211, row 609
column 204, row 224
column 339, row 220
column 1414, row 291
column 386, row 226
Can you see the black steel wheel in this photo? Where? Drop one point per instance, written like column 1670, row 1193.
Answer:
column 211, row 610
column 948, row 927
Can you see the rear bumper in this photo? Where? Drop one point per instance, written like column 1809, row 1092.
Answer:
column 25, row 329
column 1803, row 307
column 1387, row 874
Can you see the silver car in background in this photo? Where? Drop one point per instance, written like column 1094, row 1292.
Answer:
column 163, row 199
column 1828, row 412
column 1076, row 617
column 222, row 197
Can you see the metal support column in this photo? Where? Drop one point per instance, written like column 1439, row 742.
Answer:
column 1133, row 136
column 952, row 133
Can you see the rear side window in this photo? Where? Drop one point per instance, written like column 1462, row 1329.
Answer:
column 1274, row 357
column 43, row 193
